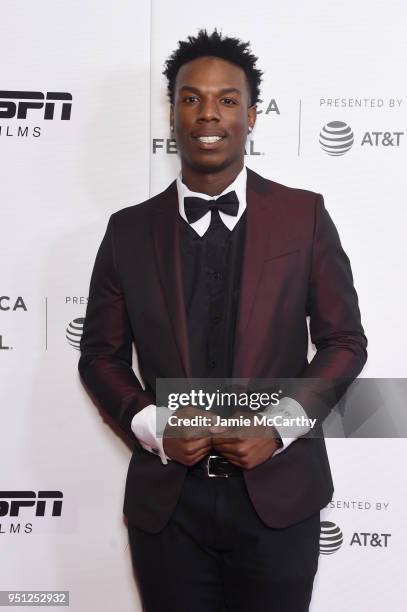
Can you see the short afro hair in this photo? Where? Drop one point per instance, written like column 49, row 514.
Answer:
column 230, row 49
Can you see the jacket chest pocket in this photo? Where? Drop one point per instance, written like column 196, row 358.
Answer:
column 282, row 276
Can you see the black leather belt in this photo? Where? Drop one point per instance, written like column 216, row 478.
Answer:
column 215, row 466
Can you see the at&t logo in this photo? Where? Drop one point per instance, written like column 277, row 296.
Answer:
column 74, row 332
column 331, row 538
column 336, row 138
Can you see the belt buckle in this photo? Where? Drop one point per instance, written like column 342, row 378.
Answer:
column 208, row 468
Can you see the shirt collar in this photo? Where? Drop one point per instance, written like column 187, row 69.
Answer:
column 200, row 226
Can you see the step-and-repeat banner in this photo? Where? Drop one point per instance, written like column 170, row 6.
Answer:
column 84, row 131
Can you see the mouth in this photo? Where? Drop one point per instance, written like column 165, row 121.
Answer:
column 210, row 141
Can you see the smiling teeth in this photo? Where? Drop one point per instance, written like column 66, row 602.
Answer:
column 209, row 139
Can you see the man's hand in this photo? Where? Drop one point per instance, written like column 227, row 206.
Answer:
column 245, row 446
column 187, row 444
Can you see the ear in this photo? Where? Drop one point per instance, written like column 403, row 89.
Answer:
column 172, row 117
column 251, row 116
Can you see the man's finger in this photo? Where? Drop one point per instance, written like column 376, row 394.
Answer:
column 227, row 442
column 197, row 445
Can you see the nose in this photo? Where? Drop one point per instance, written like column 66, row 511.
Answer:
column 208, row 110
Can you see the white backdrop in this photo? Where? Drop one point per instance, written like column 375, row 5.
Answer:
column 324, row 61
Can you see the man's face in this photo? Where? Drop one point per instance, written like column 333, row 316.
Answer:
column 211, row 114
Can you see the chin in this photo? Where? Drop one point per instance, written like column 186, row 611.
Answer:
column 208, row 166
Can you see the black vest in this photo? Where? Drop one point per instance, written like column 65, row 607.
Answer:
column 211, row 271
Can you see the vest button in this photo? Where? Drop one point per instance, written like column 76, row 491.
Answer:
column 212, row 364
column 215, row 320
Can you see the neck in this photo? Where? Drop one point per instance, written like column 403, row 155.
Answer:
column 210, row 183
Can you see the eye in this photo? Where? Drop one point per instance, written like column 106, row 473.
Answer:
column 229, row 101
column 190, row 99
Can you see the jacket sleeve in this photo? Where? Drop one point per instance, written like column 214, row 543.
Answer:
column 335, row 324
column 105, row 364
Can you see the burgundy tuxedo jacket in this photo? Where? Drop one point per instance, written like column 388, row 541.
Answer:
column 293, row 267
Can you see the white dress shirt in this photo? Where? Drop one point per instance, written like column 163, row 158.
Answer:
column 144, row 423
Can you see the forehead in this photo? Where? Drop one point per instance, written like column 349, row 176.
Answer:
column 211, row 73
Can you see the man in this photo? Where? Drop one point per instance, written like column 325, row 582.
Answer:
column 214, row 278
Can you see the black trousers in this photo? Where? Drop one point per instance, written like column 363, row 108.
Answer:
column 216, row 555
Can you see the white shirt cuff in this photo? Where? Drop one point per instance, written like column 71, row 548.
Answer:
column 288, row 408
column 149, row 430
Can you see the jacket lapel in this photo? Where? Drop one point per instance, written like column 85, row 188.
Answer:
column 166, row 221
column 260, row 221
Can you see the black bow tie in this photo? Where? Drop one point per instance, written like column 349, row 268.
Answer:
column 195, row 208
